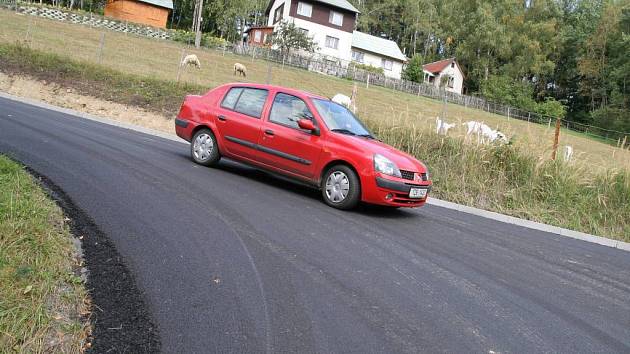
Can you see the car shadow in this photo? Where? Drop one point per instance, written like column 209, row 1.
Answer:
column 289, row 185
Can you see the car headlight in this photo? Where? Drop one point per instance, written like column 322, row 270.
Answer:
column 384, row 165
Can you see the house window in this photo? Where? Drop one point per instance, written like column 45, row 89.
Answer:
column 387, row 64
column 304, row 9
column 357, row 56
column 451, row 82
column 303, row 30
column 452, row 64
column 332, row 42
column 277, row 16
column 265, row 37
column 257, row 36
column 335, row 18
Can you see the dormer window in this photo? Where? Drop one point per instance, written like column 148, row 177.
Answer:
column 304, row 9
column 277, row 15
column 335, row 18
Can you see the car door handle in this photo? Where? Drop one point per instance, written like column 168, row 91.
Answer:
column 222, row 118
column 269, row 132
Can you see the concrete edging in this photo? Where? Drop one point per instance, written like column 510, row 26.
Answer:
column 432, row 201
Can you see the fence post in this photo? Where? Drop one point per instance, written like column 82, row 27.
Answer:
column 367, row 81
column 179, row 64
column 100, row 47
column 508, row 113
column 556, row 139
column 269, row 73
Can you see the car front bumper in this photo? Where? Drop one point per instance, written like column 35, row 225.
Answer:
column 383, row 190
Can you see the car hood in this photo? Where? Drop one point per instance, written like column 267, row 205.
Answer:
column 403, row 160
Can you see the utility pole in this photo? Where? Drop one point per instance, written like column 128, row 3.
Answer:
column 197, row 19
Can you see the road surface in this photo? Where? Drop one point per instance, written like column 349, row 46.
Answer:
column 234, row 260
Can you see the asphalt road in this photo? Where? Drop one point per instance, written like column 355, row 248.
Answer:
column 234, row 260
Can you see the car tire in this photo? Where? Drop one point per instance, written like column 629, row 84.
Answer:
column 204, row 149
column 341, row 187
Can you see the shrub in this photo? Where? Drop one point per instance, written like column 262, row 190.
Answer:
column 188, row 37
column 366, row 67
column 413, row 70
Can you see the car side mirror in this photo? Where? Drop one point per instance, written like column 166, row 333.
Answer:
column 307, row 124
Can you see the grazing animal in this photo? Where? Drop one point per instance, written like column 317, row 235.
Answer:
column 568, row 153
column 191, row 60
column 484, row 133
column 442, row 127
column 342, row 100
column 240, row 69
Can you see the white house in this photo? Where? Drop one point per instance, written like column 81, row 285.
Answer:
column 447, row 70
column 378, row 52
column 331, row 24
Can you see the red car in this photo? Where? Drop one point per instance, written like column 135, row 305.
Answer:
column 302, row 136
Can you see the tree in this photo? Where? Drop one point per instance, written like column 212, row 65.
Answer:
column 288, row 37
column 413, row 70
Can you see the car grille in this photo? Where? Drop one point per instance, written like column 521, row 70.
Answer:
column 410, row 175
column 407, row 174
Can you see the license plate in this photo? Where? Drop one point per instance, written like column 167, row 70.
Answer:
column 418, row 193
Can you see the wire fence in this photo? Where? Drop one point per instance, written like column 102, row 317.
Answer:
column 348, row 70
column 307, row 61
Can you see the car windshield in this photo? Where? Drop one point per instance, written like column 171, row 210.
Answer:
column 340, row 119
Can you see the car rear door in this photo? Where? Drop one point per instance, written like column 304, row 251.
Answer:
column 239, row 120
column 283, row 144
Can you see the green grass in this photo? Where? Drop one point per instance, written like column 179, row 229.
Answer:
column 158, row 60
column 590, row 195
column 511, row 181
column 42, row 302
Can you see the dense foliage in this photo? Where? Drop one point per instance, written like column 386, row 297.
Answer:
column 552, row 52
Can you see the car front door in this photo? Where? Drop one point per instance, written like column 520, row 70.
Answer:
column 239, row 120
column 283, row 144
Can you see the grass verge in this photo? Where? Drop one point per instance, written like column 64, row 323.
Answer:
column 43, row 303
column 506, row 179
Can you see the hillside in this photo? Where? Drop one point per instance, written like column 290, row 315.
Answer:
column 159, row 59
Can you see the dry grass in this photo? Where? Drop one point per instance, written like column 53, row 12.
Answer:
column 158, row 59
column 43, row 304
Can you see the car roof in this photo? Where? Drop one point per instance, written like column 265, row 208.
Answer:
column 278, row 88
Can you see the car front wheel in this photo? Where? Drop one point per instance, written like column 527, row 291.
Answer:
column 204, row 149
column 341, row 188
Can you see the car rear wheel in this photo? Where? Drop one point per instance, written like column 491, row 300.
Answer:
column 204, row 149
column 341, row 188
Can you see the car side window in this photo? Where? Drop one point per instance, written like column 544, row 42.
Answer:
column 232, row 96
column 287, row 110
column 251, row 102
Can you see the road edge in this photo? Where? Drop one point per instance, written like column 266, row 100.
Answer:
column 621, row 245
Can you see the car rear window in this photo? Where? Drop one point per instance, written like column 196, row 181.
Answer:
column 232, row 96
column 249, row 101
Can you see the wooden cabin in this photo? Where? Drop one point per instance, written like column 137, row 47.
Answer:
column 259, row 35
column 147, row 12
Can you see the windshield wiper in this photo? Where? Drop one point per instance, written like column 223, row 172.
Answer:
column 343, row 131
column 369, row 136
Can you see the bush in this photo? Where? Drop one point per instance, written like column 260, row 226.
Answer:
column 366, row 67
column 413, row 70
column 551, row 108
column 188, row 37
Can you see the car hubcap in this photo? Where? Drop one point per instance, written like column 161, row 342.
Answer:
column 337, row 187
column 202, row 147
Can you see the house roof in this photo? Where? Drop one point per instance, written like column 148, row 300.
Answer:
column 258, row 27
column 437, row 66
column 342, row 4
column 161, row 3
column 377, row 45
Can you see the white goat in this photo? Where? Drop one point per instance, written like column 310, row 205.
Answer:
column 342, row 100
column 485, row 134
column 240, row 69
column 442, row 127
column 568, row 152
column 191, row 60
